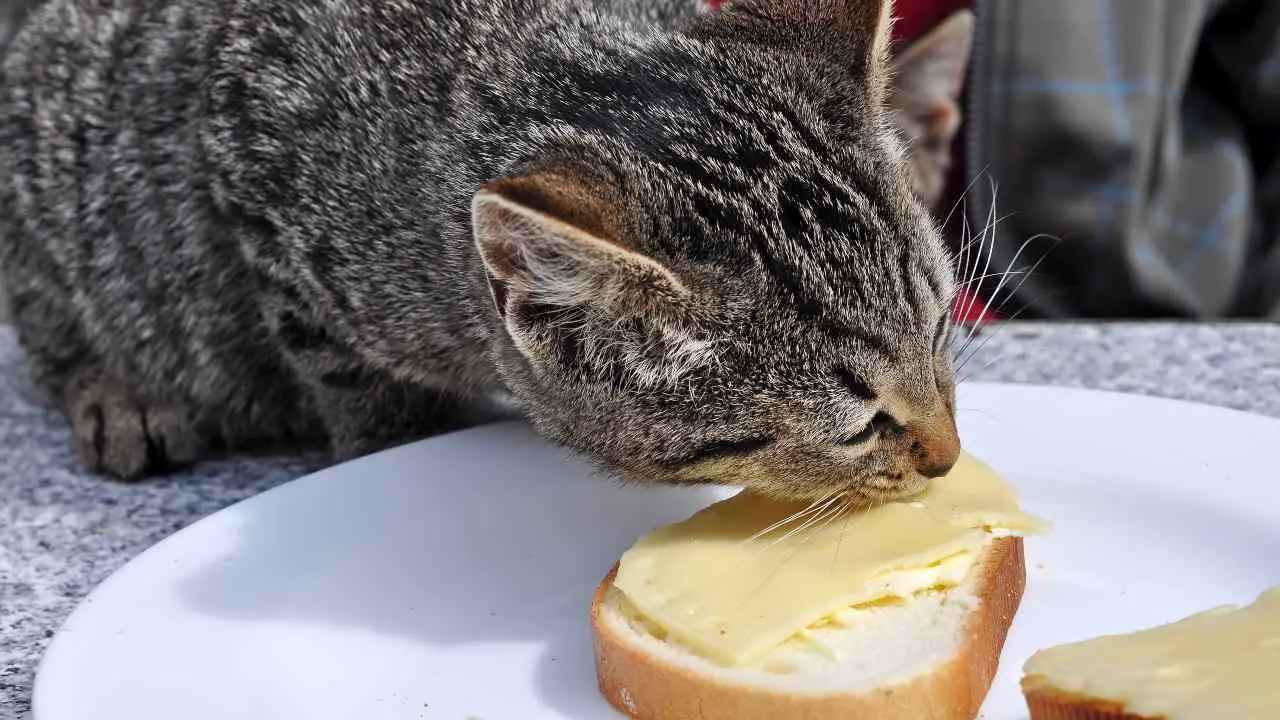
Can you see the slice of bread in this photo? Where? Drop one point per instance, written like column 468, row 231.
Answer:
column 1048, row 703
column 930, row 658
column 1219, row 664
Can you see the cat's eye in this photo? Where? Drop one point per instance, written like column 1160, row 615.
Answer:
column 855, row 384
column 859, row 437
column 880, row 423
column 721, row 449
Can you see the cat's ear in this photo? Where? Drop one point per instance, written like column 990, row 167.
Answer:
column 928, row 76
column 551, row 250
column 856, row 31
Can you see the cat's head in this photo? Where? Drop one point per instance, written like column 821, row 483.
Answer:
column 724, row 274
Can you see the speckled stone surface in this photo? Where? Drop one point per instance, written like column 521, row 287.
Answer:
column 62, row 532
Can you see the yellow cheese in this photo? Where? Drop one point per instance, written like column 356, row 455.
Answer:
column 720, row 587
column 1221, row 664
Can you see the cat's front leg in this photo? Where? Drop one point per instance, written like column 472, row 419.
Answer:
column 364, row 409
column 117, row 433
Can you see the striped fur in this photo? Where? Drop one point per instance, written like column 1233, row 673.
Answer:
column 674, row 240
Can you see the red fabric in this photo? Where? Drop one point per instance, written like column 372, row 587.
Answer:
column 971, row 310
column 914, row 17
column 917, row 17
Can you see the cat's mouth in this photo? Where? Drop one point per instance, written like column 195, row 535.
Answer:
column 882, row 489
column 801, row 481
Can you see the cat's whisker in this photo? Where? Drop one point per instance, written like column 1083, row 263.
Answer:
column 765, row 580
column 982, row 235
column 1004, row 277
column 960, row 263
column 852, row 506
column 994, row 333
column 1009, row 270
column 996, row 274
column 964, row 195
column 840, row 538
column 986, row 366
column 986, row 242
column 963, row 360
column 962, row 266
column 976, row 410
column 810, row 508
column 973, row 276
column 974, row 329
column 827, row 507
column 816, row 508
column 989, row 230
column 833, row 505
column 1013, row 293
column 969, row 239
column 813, row 507
column 976, row 295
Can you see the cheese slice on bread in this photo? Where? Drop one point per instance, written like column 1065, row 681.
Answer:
column 895, row 612
column 1220, row 664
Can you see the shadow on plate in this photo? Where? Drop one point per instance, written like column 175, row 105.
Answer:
column 480, row 537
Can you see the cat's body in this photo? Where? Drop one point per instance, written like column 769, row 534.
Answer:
column 361, row 221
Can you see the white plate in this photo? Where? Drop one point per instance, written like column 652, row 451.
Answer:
column 451, row 578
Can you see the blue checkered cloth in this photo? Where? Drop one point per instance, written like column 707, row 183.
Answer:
column 1141, row 138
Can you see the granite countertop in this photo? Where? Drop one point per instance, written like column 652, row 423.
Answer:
column 62, row 532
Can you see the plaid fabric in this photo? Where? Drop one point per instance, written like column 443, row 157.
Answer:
column 1144, row 136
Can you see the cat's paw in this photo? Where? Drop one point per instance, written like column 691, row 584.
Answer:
column 118, row 436
column 344, row 448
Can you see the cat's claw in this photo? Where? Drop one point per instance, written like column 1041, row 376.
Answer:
column 118, row 436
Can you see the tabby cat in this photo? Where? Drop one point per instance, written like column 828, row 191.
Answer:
column 687, row 245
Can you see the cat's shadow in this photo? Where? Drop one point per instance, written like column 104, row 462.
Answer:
column 486, row 538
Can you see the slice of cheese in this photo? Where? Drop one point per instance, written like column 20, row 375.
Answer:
column 1221, row 664
column 717, row 585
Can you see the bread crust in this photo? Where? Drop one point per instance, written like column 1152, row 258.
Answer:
column 645, row 687
column 1048, row 703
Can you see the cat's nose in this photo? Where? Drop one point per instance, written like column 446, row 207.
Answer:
column 935, row 444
